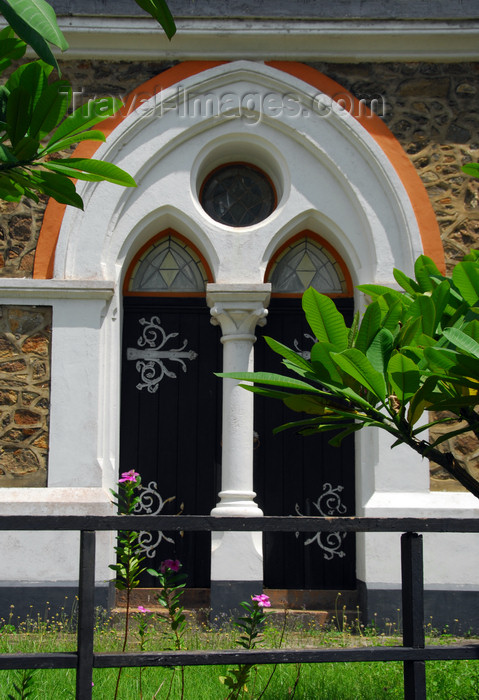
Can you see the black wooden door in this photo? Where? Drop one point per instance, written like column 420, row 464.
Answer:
column 301, row 474
column 170, row 419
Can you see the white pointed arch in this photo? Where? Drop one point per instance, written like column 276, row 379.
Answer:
column 324, row 163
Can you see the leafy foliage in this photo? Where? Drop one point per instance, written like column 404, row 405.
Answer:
column 24, row 686
column 250, row 626
column 33, row 110
column 412, row 352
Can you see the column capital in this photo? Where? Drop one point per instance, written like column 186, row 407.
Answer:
column 238, row 308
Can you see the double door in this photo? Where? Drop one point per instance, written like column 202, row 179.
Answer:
column 171, row 435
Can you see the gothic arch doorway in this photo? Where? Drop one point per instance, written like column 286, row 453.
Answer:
column 296, row 474
column 170, row 430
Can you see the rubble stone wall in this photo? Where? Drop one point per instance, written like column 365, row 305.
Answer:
column 25, row 334
column 431, row 108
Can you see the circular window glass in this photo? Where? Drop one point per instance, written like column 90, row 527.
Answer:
column 238, row 195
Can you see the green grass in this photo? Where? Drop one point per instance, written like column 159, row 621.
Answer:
column 446, row 680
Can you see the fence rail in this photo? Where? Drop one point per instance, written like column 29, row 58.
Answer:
column 413, row 653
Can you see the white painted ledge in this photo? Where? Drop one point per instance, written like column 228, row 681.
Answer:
column 432, row 504
column 55, row 501
column 129, row 38
column 55, row 289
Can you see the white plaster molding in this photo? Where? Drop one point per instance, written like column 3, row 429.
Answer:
column 46, row 556
column 360, row 193
column 133, row 38
column 238, row 309
column 56, row 501
column 55, row 289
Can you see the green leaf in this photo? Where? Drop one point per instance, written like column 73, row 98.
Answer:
column 441, row 298
column 57, row 186
column 410, row 332
column 421, row 400
column 27, row 32
column 404, row 377
column 41, row 15
column 305, row 403
column 76, row 167
column 11, row 48
column 34, row 79
column 268, row 378
column 472, row 330
column 471, row 169
column 391, row 309
column 466, row 278
column 423, row 309
column 323, row 366
column 455, row 403
column 448, row 361
column 337, row 439
column 378, row 290
column 326, row 322
column 86, row 116
column 463, row 341
column 159, row 10
column 26, row 149
column 440, row 358
column 16, row 77
column 10, row 190
column 6, row 155
column 356, row 365
column 426, row 271
column 289, row 354
column 18, row 115
column 406, row 282
column 370, row 325
column 353, row 331
column 380, row 350
column 50, row 108
column 65, row 143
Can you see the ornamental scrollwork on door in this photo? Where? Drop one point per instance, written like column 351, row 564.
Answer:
column 328, row 504
column 151, row 503
column 151, row 354
column 304, row 353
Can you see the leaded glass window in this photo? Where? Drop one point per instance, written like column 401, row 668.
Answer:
column 305, row 263
column 238, row 195
column 169, row 265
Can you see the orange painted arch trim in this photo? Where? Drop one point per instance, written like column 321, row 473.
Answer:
column 54, row 212
column 428, row 226
column 425, row 216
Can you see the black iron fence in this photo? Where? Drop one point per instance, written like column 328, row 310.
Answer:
column 413, row 653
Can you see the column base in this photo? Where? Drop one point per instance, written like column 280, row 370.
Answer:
column 226, row 597
column 237, row 503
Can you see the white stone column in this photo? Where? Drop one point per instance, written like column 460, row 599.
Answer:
column 236, row 561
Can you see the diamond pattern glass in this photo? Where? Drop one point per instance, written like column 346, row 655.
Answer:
column 304, row 264
column 170, row 265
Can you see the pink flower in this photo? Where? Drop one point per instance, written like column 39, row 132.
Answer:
column 261, row 600
column 142, row 609
column 128, row 476
column 171, row 564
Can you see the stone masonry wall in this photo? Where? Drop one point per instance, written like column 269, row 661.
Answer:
column 25, row 333
column 432, row 109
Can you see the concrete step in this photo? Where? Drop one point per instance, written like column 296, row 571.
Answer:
column 305, row 608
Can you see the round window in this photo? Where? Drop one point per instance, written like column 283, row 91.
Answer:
column 238, row 194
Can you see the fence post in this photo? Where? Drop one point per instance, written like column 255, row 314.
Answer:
column 413, row 613
column 86, row 615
